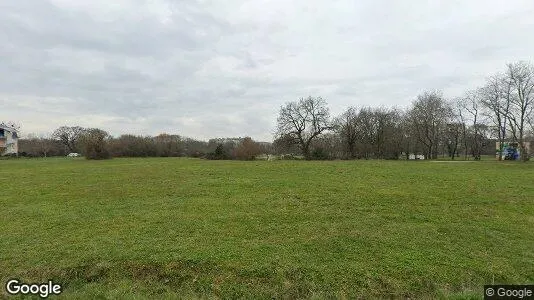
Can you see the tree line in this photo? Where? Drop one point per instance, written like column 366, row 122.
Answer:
column 502, row 110
column 96, row 143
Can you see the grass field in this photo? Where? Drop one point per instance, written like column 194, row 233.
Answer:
column 167, row 228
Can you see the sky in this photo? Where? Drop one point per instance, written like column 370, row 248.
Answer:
column 206, row 69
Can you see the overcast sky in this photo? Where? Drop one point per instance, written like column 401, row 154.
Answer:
column 223, row 68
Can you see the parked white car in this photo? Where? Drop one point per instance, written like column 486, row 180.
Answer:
column 73, row 154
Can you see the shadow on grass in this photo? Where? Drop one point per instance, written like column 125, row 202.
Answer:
column 197, row 279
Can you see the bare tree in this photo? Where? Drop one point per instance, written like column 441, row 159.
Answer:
column 454, row 130
column 495, row 100
column 328, row 146
column 459, row 116
column 167, row 145
column 40, row 145
column 302, row 121
column 429, row 116
column 347, row 129
column 69, row 136
column 387, row 127
column 285, row 145
column 45, row 144
column 368, row 127
column 95, row 144
column 521, row 77
column 471, row 105
column 372, row 132
column 248, row 149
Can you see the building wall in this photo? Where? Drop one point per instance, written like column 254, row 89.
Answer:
column 15, row 145
column 11, row 144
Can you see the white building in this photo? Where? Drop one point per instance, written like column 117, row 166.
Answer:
column 9, row 140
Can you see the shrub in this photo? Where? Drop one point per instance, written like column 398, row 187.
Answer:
column 219, row 153
column 95, row 144
column 319, row 154
column 247, row 150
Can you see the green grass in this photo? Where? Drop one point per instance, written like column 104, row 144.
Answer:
column 169, row 228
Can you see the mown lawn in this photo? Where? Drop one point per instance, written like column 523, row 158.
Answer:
column 170, row 227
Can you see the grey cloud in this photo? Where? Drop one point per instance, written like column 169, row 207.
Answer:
column 223, row 68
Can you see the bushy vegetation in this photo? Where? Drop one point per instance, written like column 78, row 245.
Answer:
column 220, row 153
column 247, row 150
column 163, row 145
column 94, row 144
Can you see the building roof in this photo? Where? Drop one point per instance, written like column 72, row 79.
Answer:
column 6, row 127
